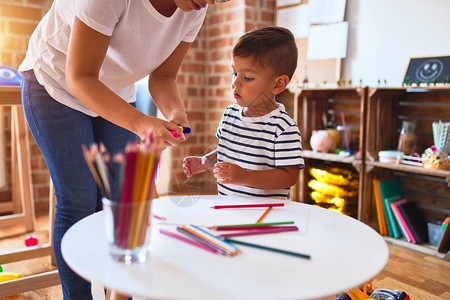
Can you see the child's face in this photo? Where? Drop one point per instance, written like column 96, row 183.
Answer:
column 253, row 86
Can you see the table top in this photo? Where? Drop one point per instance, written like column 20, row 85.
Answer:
column 345, row 254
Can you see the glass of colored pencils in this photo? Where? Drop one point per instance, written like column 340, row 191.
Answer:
column 127, row 182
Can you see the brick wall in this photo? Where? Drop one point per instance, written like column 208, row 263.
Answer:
column 18, row 18
column 204, row 82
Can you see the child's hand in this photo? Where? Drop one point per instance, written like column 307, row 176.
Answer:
column 229, row 173
column 194, row 165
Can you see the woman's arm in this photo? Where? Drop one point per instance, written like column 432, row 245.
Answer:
column 87, row 51
column 278, row 178
column 164, row 90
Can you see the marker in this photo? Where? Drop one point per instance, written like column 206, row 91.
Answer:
column 175, row 133
column 183, row 130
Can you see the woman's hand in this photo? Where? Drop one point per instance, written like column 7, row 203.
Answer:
column 159, row 129
column 179, row 118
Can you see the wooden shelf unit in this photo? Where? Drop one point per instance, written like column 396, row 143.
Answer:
column 310, row 106
column 386, row 109
column 379, row 112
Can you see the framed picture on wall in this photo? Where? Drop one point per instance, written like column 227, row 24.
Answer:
column 428, row 69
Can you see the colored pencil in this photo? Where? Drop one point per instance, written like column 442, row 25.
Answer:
column 231, row 250
column 265, row 213
column 202, row 241
column 247, row 205
column 306, row 256
column 255, row 232
column 252, row 224
column 189, row 241
column 159, row 217
column 215, row 237
column 126, row 197
column 252, row 227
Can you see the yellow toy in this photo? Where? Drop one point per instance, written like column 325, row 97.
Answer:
column 321, row 198
column 6, row 276
column 335, row 179
column 331, row 190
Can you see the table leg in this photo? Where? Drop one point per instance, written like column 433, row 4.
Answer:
column 113, row 295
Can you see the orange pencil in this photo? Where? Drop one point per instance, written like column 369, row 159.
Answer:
column 265, row 213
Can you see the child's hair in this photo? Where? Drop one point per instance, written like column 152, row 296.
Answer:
column 272, row 46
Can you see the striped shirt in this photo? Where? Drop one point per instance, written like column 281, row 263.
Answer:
column 258, row 143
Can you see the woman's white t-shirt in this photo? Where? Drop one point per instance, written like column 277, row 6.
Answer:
column 141, row 40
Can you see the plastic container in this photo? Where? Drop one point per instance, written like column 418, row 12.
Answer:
column 435, row 233
column 390, row 156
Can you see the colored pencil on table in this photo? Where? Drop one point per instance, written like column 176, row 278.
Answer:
column 247, row 205
column 255, row 232
column 251, row 224
column 159, row 217
column 231, row 250
column 190, row 241
column 307, row 256
column 265, row 213
column 202, row 241
column 215, row 237
column 252, row 227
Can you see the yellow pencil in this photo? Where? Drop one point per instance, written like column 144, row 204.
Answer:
column 141, row 211
column 265, row 213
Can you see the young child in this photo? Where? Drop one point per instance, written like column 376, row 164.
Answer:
column 259, row 151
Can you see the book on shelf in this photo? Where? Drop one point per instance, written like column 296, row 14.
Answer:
column 415, row 221
column 393, row 218
column 401, row 221
column 379, row 206
column 389, row 191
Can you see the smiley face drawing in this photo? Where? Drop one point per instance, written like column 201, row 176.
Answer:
column 429, row 70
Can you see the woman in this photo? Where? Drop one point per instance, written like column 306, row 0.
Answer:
column 78, row 88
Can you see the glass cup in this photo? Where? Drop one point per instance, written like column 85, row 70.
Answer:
column 127, row 229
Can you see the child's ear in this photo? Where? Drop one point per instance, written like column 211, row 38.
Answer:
column 281, row 83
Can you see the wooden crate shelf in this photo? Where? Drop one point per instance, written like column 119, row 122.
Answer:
column 378, row 113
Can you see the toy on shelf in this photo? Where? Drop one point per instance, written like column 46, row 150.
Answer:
column 31, row 240
column 321, row 141
column 438, row 155
column 7, row 276
column 333, row 188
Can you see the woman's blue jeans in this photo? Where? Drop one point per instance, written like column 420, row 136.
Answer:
column 59, row 132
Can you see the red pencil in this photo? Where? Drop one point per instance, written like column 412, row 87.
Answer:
column 255, row 232
column 247, row 205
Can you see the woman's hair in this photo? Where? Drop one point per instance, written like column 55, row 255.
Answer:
column 272, row 47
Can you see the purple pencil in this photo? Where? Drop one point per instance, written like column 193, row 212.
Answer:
column 252, row 228
column 255, row 232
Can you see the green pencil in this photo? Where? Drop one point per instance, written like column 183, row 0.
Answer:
column 252, row 224
column 307, row 256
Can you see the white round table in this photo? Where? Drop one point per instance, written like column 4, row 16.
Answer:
column 345, row 254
